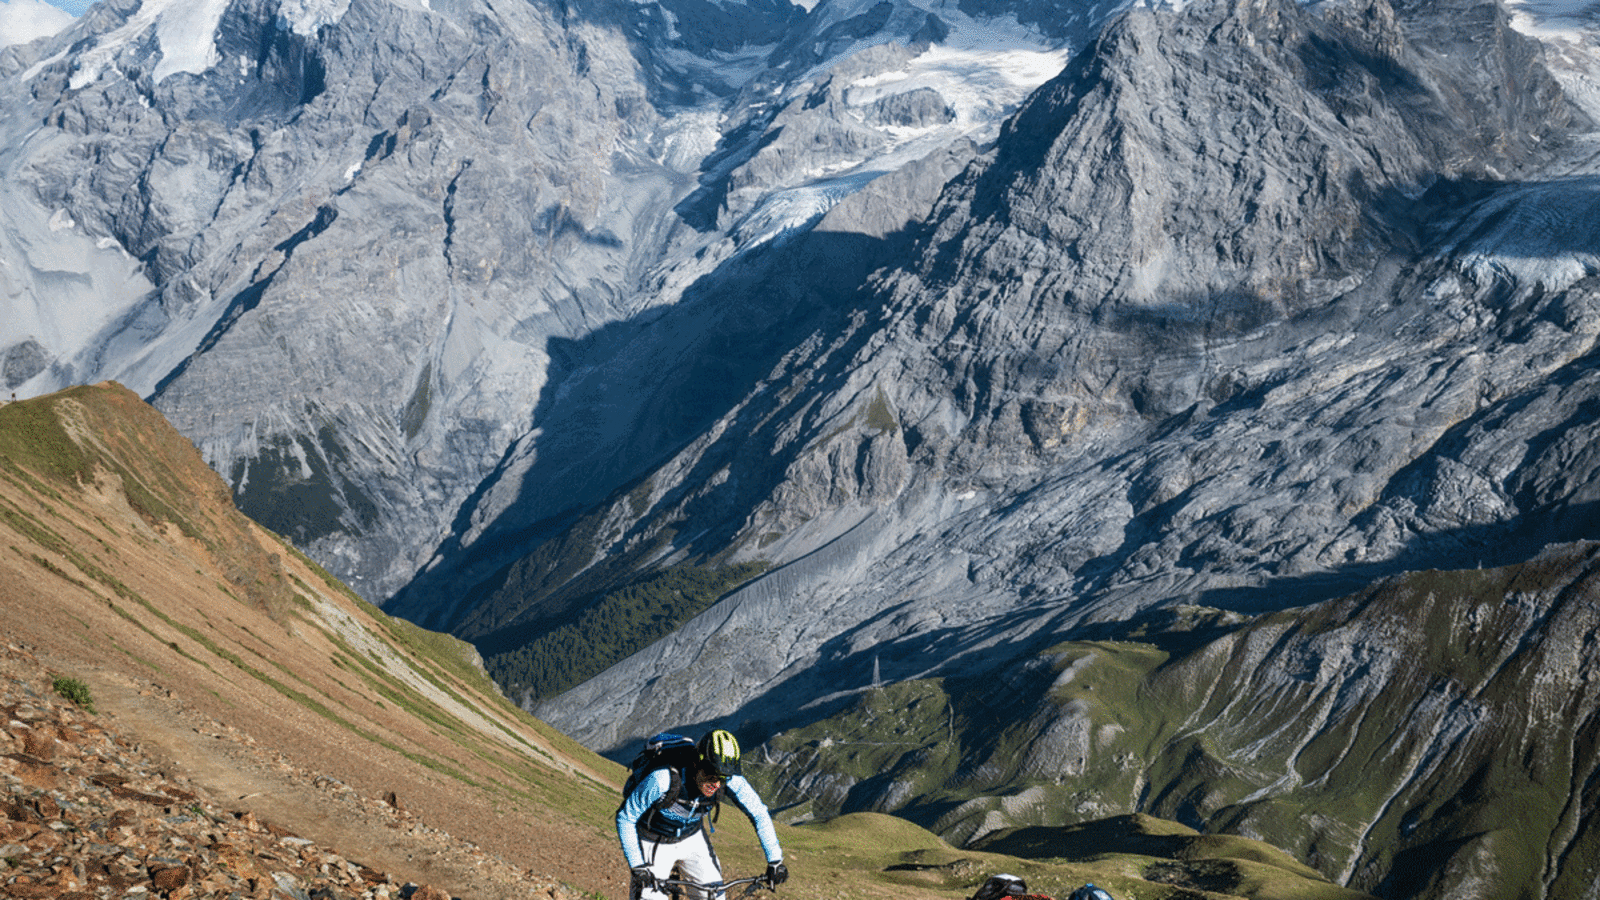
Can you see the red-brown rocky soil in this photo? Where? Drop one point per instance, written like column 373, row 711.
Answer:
column 110, row 805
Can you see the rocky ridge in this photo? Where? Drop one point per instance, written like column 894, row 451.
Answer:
column 1252, row 392
column 1427, row 736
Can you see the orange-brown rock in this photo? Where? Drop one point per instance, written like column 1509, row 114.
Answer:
column 169, row 878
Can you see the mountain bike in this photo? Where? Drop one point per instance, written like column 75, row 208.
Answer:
column 716, row 890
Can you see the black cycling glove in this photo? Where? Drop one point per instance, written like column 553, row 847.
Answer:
column 643, row 879
column 777, row 873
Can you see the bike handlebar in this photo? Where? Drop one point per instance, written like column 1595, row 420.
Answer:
column 716, row 887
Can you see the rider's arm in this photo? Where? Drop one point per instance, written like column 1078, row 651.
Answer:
column 652, row 788
column 745, row 797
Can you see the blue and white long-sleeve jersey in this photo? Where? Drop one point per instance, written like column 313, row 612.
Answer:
column 684, row 817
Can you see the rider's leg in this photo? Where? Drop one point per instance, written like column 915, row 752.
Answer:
column 660, row 858
column 698, row 861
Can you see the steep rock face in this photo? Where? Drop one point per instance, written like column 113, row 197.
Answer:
column 1262, row 161
column 812, row 181
column 408, row 275
column 1262, row 378
column 353, row 225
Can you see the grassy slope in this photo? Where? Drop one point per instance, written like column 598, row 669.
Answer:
column 1432, row 733
column 918, row 738
column 121, row 549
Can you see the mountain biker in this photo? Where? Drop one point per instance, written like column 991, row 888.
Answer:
column 660, row 828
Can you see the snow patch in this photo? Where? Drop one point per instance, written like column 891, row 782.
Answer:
column 1567, row 29
column 65, row 291
column 39, row 66
column 983, row 71
column 186, row 33
column 23, row 21
column 688, row 139
column 1552, row 16
column 978, row 73
column 185, row 29
column 304, row 17
column 1532, row 233
column 736, row 69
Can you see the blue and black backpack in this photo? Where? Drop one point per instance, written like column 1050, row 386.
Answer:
column 669, row 751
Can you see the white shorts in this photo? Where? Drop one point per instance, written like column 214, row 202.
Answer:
column 693, row 857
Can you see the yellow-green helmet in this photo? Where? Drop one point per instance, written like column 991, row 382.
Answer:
column 719, row 752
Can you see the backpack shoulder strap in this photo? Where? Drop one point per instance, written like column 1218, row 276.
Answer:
column 674, row 787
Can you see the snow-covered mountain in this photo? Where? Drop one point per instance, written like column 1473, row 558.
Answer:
column 1238, row 312
column 980, row 325
column 495, row 198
